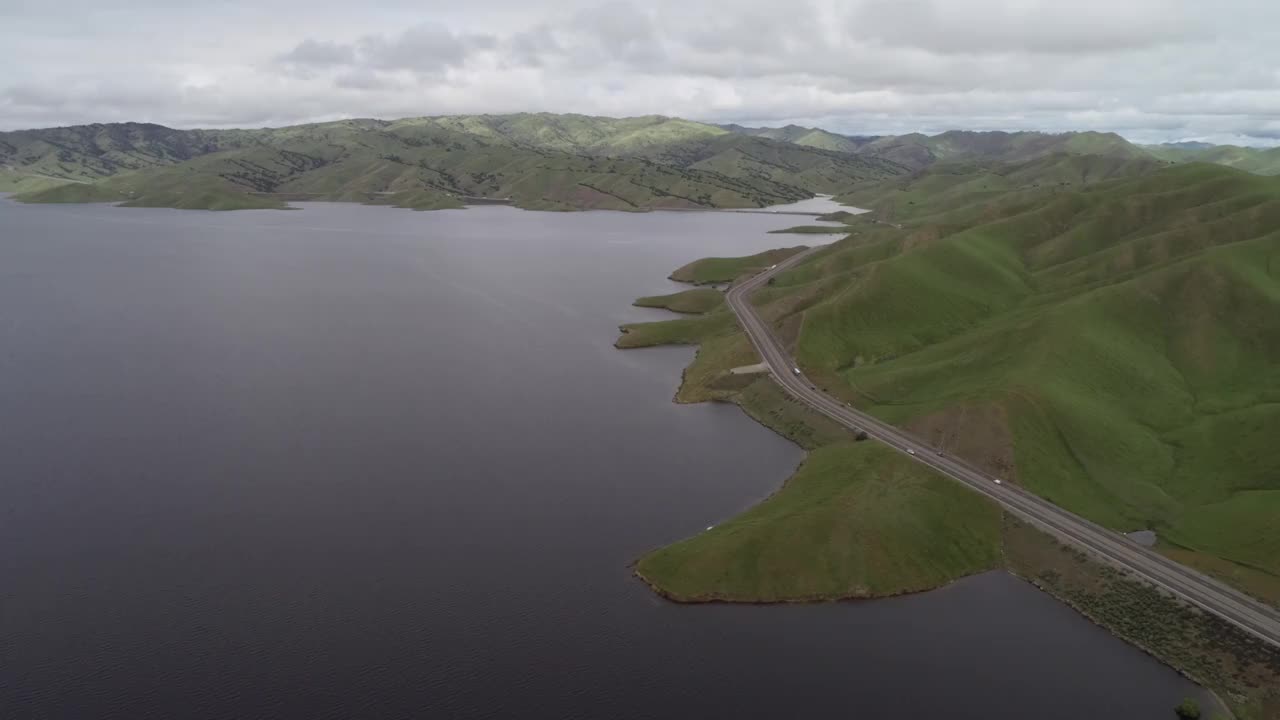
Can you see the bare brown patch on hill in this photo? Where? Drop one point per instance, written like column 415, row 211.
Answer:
column 788, row 330
column 978, row 434
column 589, row 197
column 922, row 236
column 1197, row 327
column 667, row 202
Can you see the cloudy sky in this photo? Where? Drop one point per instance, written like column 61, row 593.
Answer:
column 1151, row 70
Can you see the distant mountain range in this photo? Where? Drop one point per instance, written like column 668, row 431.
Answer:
column 1261, row 161
column 537, row 161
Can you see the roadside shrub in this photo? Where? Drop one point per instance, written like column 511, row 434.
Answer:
column 1188, row 710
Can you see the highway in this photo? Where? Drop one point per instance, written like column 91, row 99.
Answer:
column 1254, row 617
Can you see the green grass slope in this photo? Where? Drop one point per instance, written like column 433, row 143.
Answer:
column 856, row 520
column 1126, row 332
column 1263, row 161
column 698, row 300
column 13, row 181
column 722, row 270
column 949, row 186
column 163, row 187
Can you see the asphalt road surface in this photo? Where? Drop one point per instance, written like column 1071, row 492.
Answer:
column 1254, row 617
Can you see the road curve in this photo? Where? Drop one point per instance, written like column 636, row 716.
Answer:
column 1252, row 616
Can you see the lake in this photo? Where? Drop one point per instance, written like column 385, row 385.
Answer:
column 359, row 462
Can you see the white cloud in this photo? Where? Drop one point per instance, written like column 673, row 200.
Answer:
column 1150, row 69
column 984, row 27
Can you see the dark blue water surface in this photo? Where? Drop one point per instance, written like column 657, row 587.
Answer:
column 355, row 462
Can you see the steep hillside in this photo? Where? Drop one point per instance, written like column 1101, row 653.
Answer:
column 1114, row 347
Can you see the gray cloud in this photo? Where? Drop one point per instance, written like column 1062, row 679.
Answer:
column 426, row 47
column 1151, row 69
column 364, row 79
column 1033, row 27
column 320, row 53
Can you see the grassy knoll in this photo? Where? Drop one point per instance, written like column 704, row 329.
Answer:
column 1244, row 672
column 680, row 331
column 697, row 301
column 857, row 520
column 723, row 270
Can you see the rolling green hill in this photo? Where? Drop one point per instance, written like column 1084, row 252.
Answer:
column 856, row 520
column 947, row 187
column 414, row 164
column 541, row 161
column 811, row 137
column 919, row 151
column 799, row 157
column 1113, row 346
column 549, row 161
column 1263, row 161
column 583, row 134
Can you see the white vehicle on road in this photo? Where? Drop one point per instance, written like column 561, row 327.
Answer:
column 795, row 370
column 773, row 267
column 910, row 451
column 999, row 483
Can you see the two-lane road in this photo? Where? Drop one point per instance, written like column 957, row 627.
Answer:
column 1258, row 619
